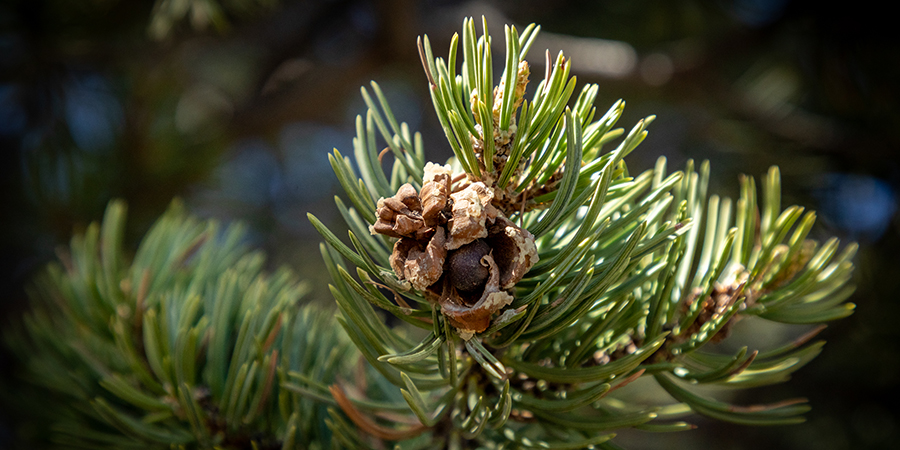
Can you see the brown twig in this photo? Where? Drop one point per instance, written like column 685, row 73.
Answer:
column 270, row 377
column 382, row 153
column 425, row 62
column 626, row 381
column 744, row 365
column 368, row 425
column 767, row 407
column 808, row 336
column 271, row 338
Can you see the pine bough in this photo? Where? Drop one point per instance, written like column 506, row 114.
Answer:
column 532, row 276
column 628, row 277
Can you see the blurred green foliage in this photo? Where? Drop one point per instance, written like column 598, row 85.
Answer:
column 187, row 344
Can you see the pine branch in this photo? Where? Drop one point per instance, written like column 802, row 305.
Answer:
column 535, row 279
column 190, row 344
column 543, row 273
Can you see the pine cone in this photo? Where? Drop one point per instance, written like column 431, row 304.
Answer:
column 456, row 247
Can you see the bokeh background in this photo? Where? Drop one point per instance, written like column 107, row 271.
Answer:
column 232, row 105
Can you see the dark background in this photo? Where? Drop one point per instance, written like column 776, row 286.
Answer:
column 235, row 111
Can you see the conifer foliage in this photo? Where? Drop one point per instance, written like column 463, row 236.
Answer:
column 187, row 344
column 543, row 276
column 532, row 279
